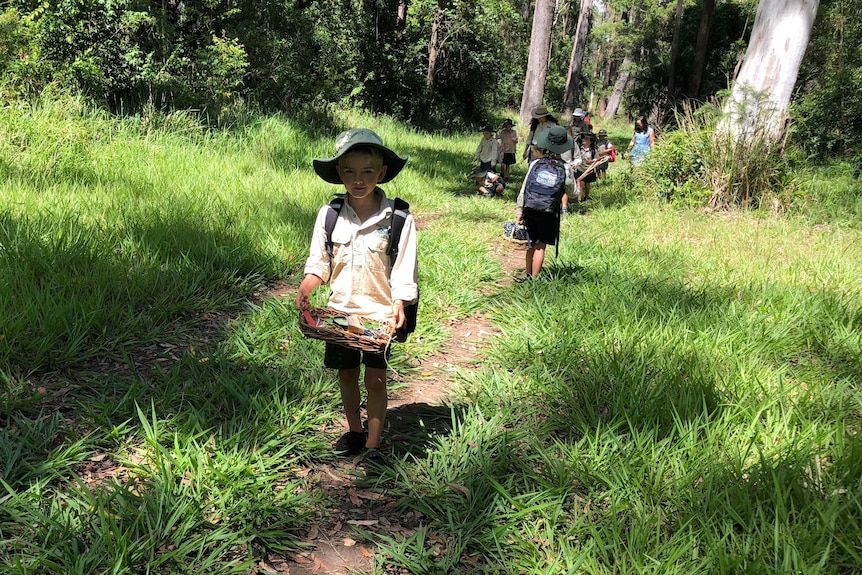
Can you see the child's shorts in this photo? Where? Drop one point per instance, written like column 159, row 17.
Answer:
column 542, row 227
column 339, row 357
column 509, row 159
column 591, row 177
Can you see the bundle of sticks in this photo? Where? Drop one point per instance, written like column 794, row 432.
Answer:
column 591, row 168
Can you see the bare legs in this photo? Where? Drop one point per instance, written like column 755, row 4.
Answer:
column 583, row 191
column 535, row 257
column 375, row 385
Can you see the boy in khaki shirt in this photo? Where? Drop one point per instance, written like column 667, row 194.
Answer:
column 362, row 278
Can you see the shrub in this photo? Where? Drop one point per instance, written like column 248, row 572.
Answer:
column 702, row 164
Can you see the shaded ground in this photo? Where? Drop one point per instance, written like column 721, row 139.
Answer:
column 336, row 543
column 418, row 411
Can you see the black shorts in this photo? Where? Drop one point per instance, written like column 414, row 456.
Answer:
column 509, row 159
column 542, row 227
column 339, row 357
column 590, row 178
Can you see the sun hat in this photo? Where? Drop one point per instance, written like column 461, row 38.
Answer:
column 477, row 173
column 589, row 135
column 579, row 112
column 507, row 122
column 487, row 128
column 540, row 112
column 603, row 133
column 556, row 140
column 326, row 168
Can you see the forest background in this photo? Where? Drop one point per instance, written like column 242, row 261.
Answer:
column 436, row 64
column 697, row 410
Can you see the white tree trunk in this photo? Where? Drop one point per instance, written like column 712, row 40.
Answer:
column 759, row 99
column 537, row 63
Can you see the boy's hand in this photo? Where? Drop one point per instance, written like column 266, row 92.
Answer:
column 398, row 313
column 308, row 285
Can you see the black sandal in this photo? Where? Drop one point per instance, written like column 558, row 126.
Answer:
column 351, row 443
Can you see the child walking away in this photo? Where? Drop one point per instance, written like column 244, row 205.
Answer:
column 542, row 122
column 606, row 150
column 508, row 139
column 487, row 151
column 541, row 195
column 364, row 279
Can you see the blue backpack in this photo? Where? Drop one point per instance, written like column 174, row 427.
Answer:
column 545, row 186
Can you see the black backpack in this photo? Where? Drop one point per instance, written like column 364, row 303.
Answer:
column 399, row 215
column 545, row 186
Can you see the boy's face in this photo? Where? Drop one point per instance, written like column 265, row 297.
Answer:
column 360, row 172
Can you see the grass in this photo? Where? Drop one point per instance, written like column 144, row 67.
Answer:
column 678, row 394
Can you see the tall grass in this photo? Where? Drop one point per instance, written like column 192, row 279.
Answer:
column 678, row 393
column 703, row 163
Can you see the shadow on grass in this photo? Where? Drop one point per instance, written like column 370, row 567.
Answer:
column 413, row 427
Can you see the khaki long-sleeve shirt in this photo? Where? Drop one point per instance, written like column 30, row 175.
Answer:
column 362, row 280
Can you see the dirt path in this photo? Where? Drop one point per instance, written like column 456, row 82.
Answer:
column 335, row 543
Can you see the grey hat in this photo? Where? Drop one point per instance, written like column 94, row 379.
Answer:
column 578, row 112
column 327, row 168
column 477, row 173
column 540, row 112
column 556, row 140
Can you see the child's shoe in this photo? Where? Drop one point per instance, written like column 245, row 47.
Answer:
column 351, row 443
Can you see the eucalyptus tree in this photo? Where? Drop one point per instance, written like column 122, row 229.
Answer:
column 761, row 95
column 537, row 63
column 573, row 79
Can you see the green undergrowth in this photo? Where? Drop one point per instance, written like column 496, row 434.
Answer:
column 678, row 392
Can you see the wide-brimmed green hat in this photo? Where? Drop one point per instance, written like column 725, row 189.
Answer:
column 326, row 168
column 556, row 140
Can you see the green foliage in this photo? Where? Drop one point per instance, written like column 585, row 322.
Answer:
column 827, row 112
column 677, row 394
column 653, row 35
column 227, row 58
column 703, row 162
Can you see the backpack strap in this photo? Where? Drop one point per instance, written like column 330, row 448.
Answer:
column 331, row 217
column 400, row 210
column 399, row 214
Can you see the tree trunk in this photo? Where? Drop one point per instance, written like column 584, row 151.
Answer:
column 433, row 48
column 619, row 87
column 759, row 99
column 674, row 52
column 537, row 62
column 706, row 14
column 576, row 62
column 401, row 21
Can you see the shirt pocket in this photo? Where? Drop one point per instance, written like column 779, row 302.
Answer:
column 341, row 246
column 376, row 244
